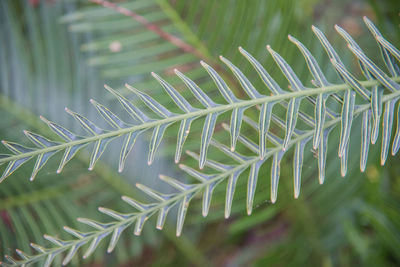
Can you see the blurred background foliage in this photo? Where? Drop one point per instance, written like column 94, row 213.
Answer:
column 57, row 53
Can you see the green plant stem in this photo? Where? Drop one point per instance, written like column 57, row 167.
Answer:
column 197, row 113
column 195, row 189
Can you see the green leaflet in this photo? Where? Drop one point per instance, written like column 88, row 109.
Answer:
column 365, row 136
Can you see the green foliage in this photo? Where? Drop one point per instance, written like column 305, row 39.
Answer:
column 332, row 104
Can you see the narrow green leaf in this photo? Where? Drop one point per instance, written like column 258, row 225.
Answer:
column 182, row 210
column 244, row 82
column 13, row 166
column 179, row 100
column 322, row 153
column 319, row 114
column 365, row 136
column 287, row 71
column 207, row 195
column 264, row 75
column 201, row 177
column 347, row 119
column 39, row 140
column 175, row 183
column 49, row 260
column 375, row 71
column 69, row 153
column 387, row 124
column 162, row 215
column 297, row 166
column 220, row 83
column 236, row 122
column 264, row 122
column 291, row 120
column 108, row 116
column 93, row 245
column 60, row 131
column 275, row 172
column 376, row 108
column 115, row 237
column 155, row 141
column 133, row 111
column 208, row 130
column 325, row 43
column 252, row 184
column 344, row 160
column 98, row 150
column 153, row 193
column 393, row 50
column 396, row 140
column 128, row 143
column 139, row 225
column 386, row 55
column 183, row 133
column 197, row 92
column 71, row 253
column 136, row 204
column 86, row 124
column 156, row 107
column 230, row 191
column 312, row 64
column 351, row 80
column 40, row 162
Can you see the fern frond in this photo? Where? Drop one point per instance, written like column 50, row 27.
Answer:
column 376, row 79
column 206, row 184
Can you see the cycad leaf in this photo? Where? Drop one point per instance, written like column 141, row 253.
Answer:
column 98, row 150
column 396, row 140
column 236, row 122
column 297, row 166
column 128, row 143
column 319, row 114
column 197, row 92
column 115, row 237
column 244, row 82
column 69, row 153
column 155, row 141
column 133, row 111
column 375, row 71
column 287, row 71
column 208, row 191
column 347, row 120
column 344, row 160
column 350, row 80
column 291, row 120
column 387, row 125
column 264, row 122
column 178, row 99
column 322, row 153
column 230, row 191
column 206, row 134
column 387, row 57
column 376, row 107
column 86, row 124
column 365, row 137
column 182, row 135
column 220, row 83
column 108, row 116
column 275, row 173
column 182, row 210
column 156, row 107
column 252, row 184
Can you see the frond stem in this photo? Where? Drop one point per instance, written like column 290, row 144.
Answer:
column 197, row 113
